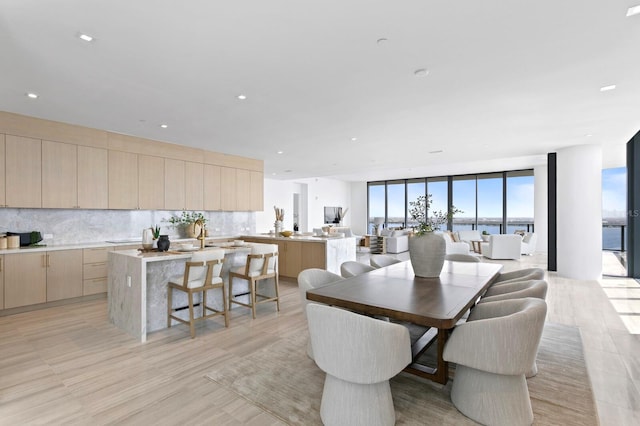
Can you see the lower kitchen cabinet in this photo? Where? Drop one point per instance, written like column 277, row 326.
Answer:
column 95, row 261
column 25, row 277
column 1, row 282
column 32, row 278
column 64, row 274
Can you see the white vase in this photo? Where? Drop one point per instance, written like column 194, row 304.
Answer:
column 426, row 253
column 147, row 238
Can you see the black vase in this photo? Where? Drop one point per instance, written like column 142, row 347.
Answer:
column 163, row 243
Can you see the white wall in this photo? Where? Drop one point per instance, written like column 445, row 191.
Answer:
column 358, row 209
column 320, row 192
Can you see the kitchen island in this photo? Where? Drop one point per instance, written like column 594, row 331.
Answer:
column 137, row 287
column 300, row 252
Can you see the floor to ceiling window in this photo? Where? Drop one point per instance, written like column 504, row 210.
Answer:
column 490, row 202
column 482, row 199
column 520, row 197
column 464, row 198
column 415, row 189
column 377, row 199
column 396, row 204
column 614, row 221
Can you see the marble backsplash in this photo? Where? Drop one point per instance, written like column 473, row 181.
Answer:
column 88, row 226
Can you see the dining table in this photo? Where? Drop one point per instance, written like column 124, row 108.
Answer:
column 435, row 304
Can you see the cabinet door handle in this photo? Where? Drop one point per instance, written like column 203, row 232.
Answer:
column 48, row 261
column 1, row 260
column 44, row 260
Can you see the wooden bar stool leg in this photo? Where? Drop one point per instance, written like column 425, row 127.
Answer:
column 252, row 288
column 169, row 305
column 277, row 294
column 224, row 307
column 191, row 319
column 230, row 290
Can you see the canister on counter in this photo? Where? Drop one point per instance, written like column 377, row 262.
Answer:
column 3, row 243
column 13, row 241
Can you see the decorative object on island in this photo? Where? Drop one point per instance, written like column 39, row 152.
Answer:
column 377, row 225
column 147, row 238
column 279, row 219
column 426, row 249
column 188, row 224
column 163, row 243
column 286, row 234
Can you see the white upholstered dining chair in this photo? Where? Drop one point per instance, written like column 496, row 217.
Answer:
column 359, row 354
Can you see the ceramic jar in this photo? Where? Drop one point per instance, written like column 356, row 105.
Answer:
column 163, row 243
column 426, row 253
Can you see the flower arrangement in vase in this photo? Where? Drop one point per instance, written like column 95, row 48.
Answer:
column 426, row 249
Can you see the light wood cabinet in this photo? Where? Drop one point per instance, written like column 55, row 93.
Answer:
column 243, row 190
column 25, row 278
column 256, row 191
column 228, row 192
column 290, row 258
column 93, row 178
column 193, row 189
column 3, row 200
column 64, row 274
column 313, row 256
column 94, row 270
column 212, row 187
column 174, row 196
column 59, row 175
column 150, row 182
column 23, row 172
column 1, row 282
column 123, row 180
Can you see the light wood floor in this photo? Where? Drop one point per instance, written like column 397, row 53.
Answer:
column 68, row 365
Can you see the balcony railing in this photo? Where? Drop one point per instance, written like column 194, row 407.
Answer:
column 614, row 237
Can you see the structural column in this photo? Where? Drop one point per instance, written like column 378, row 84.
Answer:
column 540, row 206
column 633, row 206
column 579, row 212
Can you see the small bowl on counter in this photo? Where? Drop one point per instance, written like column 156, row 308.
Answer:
column 238, row 243
column 286, row 234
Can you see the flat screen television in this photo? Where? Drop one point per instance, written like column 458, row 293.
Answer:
column 332, row 214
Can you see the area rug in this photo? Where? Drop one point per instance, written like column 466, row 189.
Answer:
column 283, row 381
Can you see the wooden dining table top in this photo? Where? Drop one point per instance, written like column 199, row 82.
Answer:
column 394, row 291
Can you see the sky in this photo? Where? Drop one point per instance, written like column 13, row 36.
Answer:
column 520, row 195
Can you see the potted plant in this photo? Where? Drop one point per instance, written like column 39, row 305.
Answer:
column 426, row 249
column 186, row 223
column 485, row 236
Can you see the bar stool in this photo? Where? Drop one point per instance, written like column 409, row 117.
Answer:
column 261, row 265
column 201, row 273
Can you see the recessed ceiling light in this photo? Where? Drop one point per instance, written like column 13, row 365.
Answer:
column 280, row 152
column 288, row 171
column 242, row 97
column 421, row 72
column 588, row 135
column 607, row 88
column 164, row 126
column 32, row 95
column 273, row 174
column 354, row 139
column 382, row 41
column 634, row 10
column 85, row 37
column 438, row 151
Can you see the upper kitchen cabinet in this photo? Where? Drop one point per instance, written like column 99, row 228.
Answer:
column 59, row 175
column 257, row 191
column 228, row 194
column 243, row 190
column 123, row 180
column 151, row 183
column 3, row 199
column 174, row 196
column 194, row 189
column 212, row 187
column 23, row 172
column 93, row 178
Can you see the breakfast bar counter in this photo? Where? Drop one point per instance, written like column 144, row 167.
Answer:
column 137, row 286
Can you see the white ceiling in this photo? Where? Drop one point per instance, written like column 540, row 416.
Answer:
column 508, row 81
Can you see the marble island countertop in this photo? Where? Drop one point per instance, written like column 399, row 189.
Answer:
column 295, row 237
column 42, row 247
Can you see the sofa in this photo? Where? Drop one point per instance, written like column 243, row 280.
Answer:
column 468, row 236
column 454, row 247
column 529, row 241
column 502, row 246
column 396, row 241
